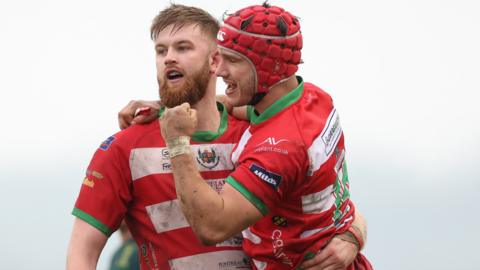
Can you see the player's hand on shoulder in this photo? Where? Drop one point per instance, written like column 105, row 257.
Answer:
column 237, row 112
column 224, row 100
column 138, row 112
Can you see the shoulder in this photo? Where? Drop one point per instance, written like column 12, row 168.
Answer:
column 237, row 126
column 317, row 96
column 311, row 117
column 130, row 137
column 314, row 108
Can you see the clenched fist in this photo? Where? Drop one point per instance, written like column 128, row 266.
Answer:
column 178, row 121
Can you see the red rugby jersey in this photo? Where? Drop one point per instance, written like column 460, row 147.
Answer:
column 291, row 166
column 130, row 177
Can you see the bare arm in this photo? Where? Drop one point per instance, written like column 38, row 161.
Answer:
column 86, row 244
column 213, row 217
column 361, row 224
column 145, row 111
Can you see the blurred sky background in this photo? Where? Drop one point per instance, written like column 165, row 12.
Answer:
column 404, row 75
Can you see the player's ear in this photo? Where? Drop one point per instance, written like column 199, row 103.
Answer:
column 214, row 59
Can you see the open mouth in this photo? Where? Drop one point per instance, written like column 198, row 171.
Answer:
column 174, row 75
column 231, row 87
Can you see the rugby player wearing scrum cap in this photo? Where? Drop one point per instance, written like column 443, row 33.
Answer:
column 289, row 192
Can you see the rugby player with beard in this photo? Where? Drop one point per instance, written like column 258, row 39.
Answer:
column 129, row 176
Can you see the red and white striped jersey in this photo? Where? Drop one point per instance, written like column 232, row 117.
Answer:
column 130, row 177
column 291, row 166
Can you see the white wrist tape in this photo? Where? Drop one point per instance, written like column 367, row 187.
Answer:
column 178, row 146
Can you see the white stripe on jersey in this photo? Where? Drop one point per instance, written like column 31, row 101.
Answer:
column 322, row 147
column 241, row 145
column 318, row 202
column 247, row 234
column 212, row 260
column 235, row 241
column 167, row 216
column 155, row 160
column 259, row 264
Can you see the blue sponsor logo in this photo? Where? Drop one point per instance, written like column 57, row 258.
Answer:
column 271, row 178
column 106, row 144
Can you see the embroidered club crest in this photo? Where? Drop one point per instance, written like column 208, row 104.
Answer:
column 207, row 158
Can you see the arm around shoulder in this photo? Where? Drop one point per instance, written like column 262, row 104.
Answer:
column 213, row 217
column 235, row 214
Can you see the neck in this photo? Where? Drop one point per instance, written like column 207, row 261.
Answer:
column 208, row 117
column 276, row 93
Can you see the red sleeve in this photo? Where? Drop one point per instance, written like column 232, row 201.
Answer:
column 105, row 191
column 264, row 178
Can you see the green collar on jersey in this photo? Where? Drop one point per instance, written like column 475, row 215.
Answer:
column 277, row 106
column 207, row 136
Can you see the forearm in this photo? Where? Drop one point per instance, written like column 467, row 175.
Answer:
column 213, row 217
column 356, row 233
column 202, row 206
column 360, row 224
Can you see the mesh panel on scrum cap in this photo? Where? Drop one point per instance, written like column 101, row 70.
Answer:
column 269, row 37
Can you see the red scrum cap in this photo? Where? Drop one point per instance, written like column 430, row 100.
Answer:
column 268, row 37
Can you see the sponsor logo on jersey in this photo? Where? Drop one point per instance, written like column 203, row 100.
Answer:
column 165, row 153
column 340, row 156
column 264, row 148
column 331, row 132
column 308, row 98
column 207, row 158
column 91, row 176
column 144, row 253
column 337, row 152
column 278, row 248
column 238, row 264
column 271, row 178
column 106, row 144
column 166, row 166
column 95, row 174
column 88, row 182
column 272, row 141
column 280, row 221
column 143, row 250
column 221, row 36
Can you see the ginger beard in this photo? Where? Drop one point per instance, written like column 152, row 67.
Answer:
column 191, row 90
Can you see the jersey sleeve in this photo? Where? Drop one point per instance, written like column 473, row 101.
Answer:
column 105, row 191
column 263, row 177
